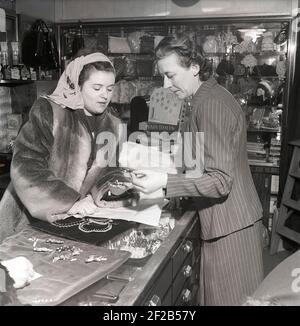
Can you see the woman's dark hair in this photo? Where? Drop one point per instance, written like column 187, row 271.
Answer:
column 188, row 52
column 88, row 68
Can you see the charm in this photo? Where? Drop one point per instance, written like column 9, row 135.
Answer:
column 42, row 249
column 54, row 241
column 94, row 258
column 67, row 253
column 42, row 301
column 65, row 248
column 34, row 240
column 66, row 256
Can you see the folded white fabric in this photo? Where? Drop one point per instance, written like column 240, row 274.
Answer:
column 20, row 270
column 137, row 156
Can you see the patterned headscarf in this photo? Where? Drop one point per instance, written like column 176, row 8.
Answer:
column 67, row 92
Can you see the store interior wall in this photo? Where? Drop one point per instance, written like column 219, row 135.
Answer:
column 68, row 10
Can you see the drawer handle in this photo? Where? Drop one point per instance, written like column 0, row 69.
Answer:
column 187, row 271
column 188, row 246
column 186, row 295
column 154, row 301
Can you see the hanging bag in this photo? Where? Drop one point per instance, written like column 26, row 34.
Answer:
column 39, row 48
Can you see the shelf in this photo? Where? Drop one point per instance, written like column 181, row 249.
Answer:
column 147, row 78
column 263, row 164
column 265, row 77
column 273, row 131
column 9, row 82
column 261, row 53
column 133, row 55
column 273, row 170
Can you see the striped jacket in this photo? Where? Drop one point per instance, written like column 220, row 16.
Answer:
column 224, row 195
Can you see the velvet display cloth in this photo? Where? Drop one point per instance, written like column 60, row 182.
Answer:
column 71, row 228
column 60, row 279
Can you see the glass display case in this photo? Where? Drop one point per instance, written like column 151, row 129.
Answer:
column 252, row 57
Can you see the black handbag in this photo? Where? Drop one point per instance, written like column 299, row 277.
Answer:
column 39, row 48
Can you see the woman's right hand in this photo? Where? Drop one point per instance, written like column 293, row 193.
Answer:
column 83, row 207
column 148, row 181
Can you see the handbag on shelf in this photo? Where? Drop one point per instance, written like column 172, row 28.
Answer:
column 39, row 48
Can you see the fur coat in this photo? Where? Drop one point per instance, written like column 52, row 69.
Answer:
column 56, row 158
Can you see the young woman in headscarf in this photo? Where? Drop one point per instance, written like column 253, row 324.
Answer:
column 55, row 158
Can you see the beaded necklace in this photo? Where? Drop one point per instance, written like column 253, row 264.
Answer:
column 87, row 224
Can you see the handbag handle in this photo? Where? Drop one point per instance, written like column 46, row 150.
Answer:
column 40, row 26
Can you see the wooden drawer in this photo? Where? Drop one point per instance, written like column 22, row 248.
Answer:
column 190, row 246
column 160, row 293
column 182, row 276
column 180, row 273
column 185, row 290
column 188, row 295
column 186, row 268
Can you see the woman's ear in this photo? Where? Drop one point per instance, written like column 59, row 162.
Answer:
column 195, row 69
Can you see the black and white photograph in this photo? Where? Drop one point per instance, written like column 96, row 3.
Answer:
column 149, row 155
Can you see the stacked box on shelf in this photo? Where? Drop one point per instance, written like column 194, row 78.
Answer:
column 275, row 149
column 256, row 152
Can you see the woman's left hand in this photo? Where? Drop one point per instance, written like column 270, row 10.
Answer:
column 148, row 181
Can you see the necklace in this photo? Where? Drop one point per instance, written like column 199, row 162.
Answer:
column 64, row 224
column 88, row 225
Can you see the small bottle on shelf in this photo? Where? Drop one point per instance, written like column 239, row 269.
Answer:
column 33, row 74
column 6, row 69
column 15, row 53
column 25, row 74
column 15, row 70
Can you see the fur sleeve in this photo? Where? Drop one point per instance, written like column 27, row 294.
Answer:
column 42, row 193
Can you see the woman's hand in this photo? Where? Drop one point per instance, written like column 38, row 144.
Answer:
column 148, row 181
column 83, row 207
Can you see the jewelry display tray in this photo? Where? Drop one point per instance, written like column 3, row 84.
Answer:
column 63, row 278
column 141, row 242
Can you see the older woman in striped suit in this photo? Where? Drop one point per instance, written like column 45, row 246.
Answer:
column 224, row 194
